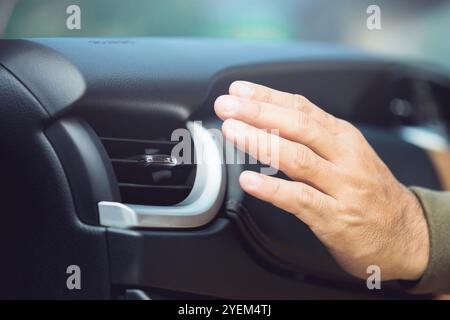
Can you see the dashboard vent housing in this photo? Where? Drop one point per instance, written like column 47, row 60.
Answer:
column 147, row 183
column 151, row 199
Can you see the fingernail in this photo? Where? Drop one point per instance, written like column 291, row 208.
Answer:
column 233, row 126
column 228, row 104
column 243, row 90
column 251, row 179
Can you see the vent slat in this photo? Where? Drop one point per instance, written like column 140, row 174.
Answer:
column 154, row 186
column 151, row 184
column 153, row 142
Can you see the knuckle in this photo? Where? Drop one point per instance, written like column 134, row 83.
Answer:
column 275, row 192
column 265, row 94
column 258, row 111
column 331, row 120
column 358, row 138
column 265, row 155
column 319, row 204
column 302, row 158
column 305, row 198
column 347, row 126
column 300, row 102
column 301, row 121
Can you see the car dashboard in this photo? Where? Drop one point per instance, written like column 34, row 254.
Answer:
column 75, row 113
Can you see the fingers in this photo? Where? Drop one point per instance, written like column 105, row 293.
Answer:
column 305, row 202
column 292, row 124
column 261, row 93
column 295, row 160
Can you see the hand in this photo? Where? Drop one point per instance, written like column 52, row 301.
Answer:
column 340, row 188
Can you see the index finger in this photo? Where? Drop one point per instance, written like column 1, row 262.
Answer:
column 262, row 93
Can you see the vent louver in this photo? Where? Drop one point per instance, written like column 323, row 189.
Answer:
column 146, row 173
column 160, row 192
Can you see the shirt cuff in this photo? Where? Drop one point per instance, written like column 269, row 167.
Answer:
column 436, row 279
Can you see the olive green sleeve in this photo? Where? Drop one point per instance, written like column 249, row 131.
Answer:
column 436, row 278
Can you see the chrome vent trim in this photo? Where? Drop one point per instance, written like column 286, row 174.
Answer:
column 199, row 208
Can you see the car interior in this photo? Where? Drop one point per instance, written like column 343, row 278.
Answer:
column 78, row 114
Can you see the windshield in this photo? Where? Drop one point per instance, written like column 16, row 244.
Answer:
column 414, row 29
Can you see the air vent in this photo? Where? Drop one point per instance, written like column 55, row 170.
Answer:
column 161, row 192
column 146, row 172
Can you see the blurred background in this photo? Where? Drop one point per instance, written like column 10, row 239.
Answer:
column 413, row 29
